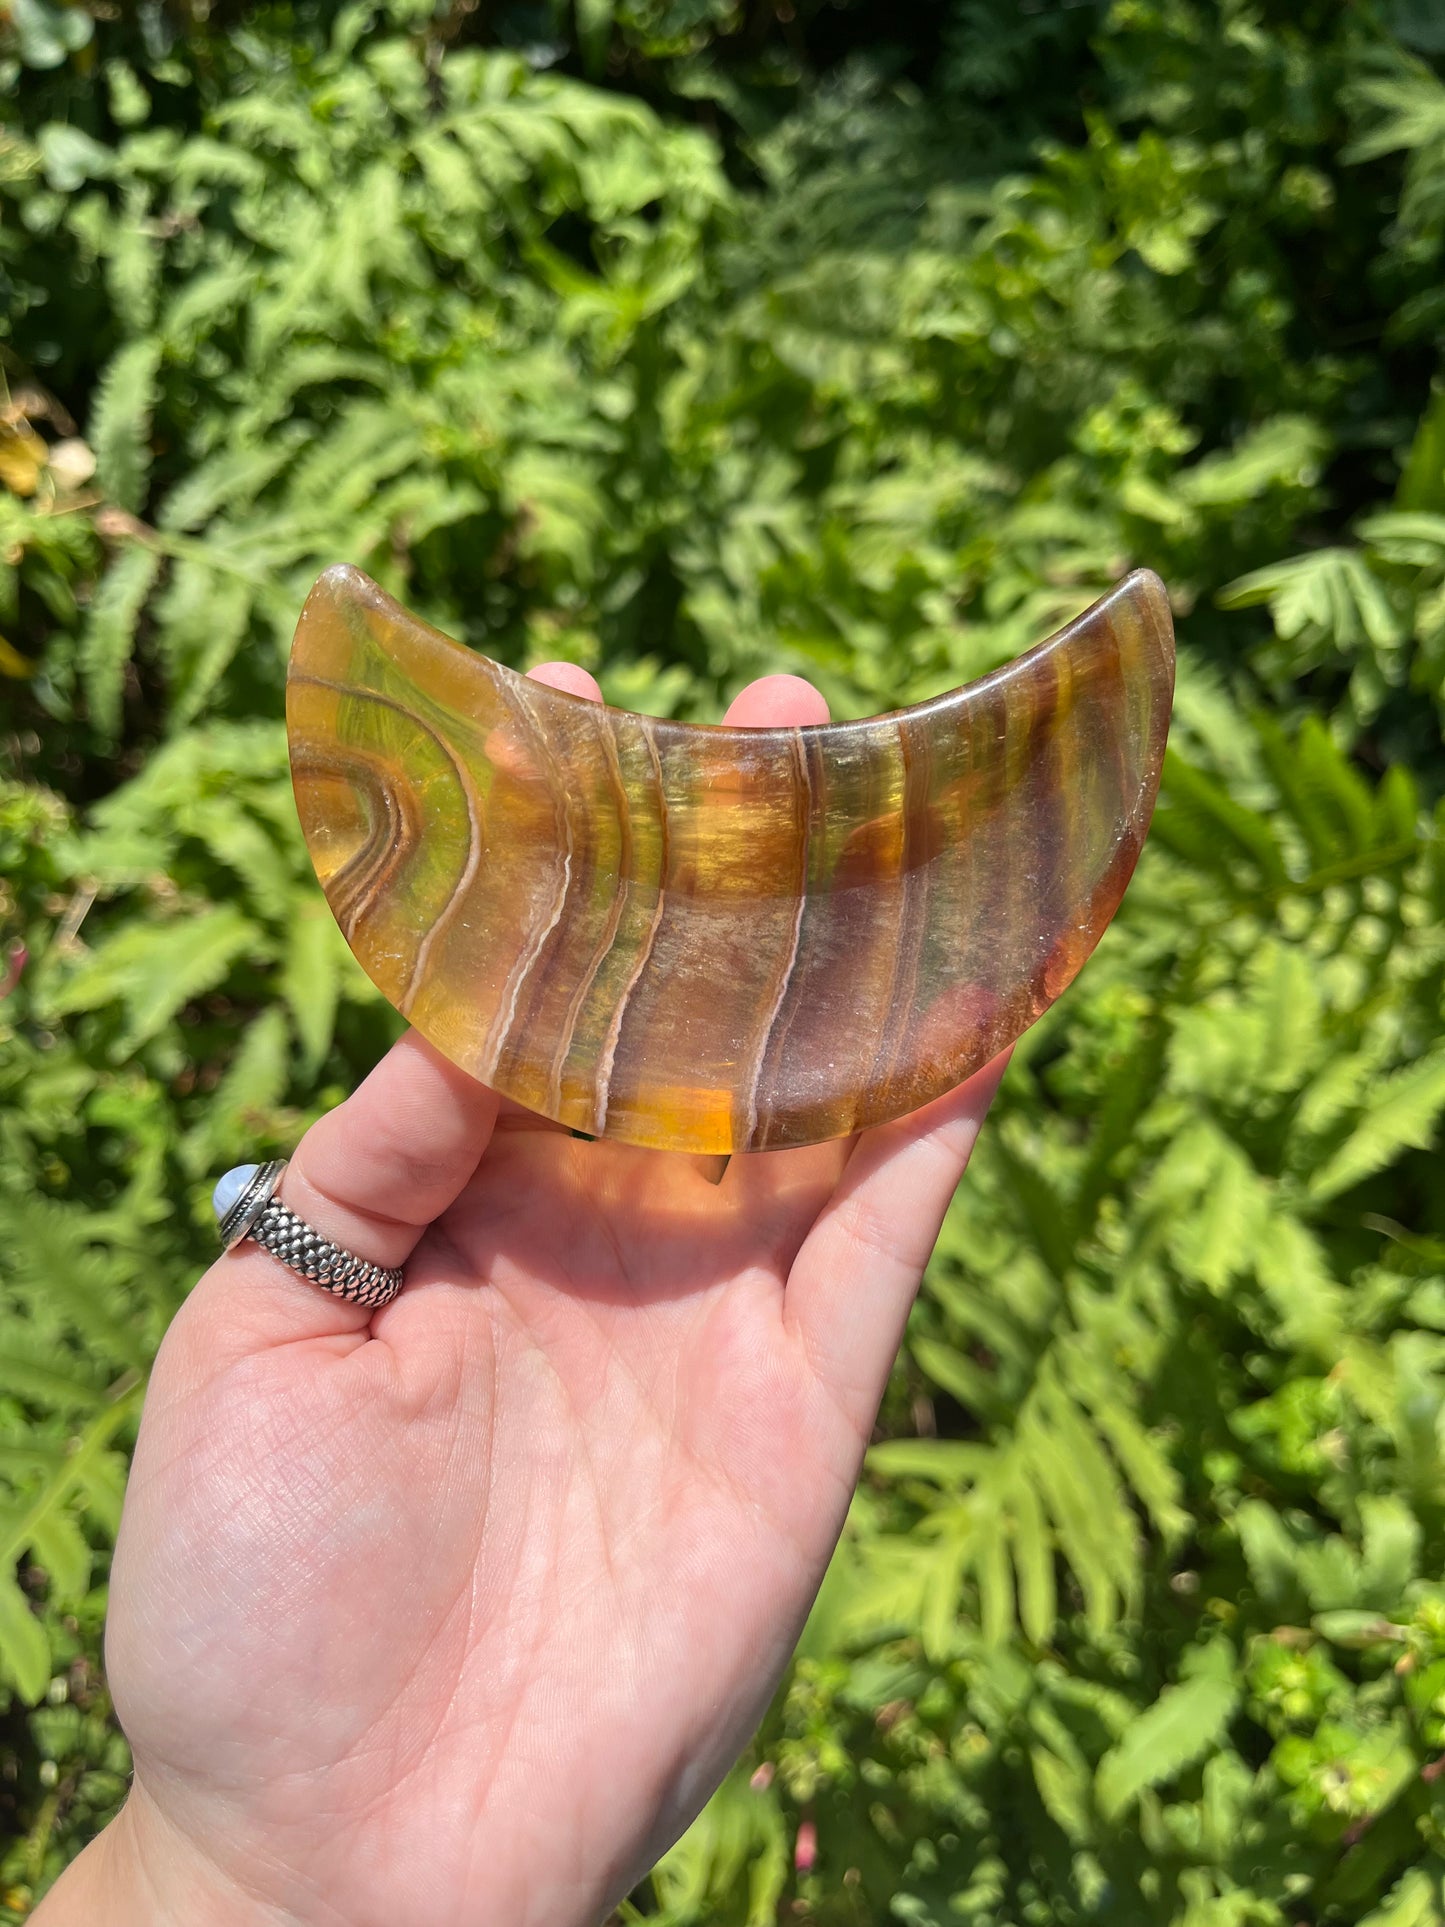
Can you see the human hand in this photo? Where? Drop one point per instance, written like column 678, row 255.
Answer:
column 458, row 1611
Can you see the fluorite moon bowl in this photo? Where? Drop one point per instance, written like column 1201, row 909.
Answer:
column 714, row 939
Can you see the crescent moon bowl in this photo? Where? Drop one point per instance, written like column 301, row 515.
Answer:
column 710, row 939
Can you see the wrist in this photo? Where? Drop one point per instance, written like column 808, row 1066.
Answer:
column 142, row 1871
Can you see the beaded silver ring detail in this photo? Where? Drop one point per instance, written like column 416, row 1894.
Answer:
column 247, row 1207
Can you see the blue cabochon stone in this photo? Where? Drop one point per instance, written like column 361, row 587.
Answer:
column 230, row 1188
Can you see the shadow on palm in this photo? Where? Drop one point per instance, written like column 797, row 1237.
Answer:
column 614, row 1227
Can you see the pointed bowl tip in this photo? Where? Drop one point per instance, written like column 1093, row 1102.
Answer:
column 1144, row 585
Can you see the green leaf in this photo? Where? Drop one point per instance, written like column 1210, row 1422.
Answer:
column 1414, row 1901
column 1422, row 484
column 1065, row 1791
column 1291, row 1265
column 110, row 633
column 1092, row 1529
column 254, row 1084
column 202, row 625
column 994, row 1572
column 1225, row 827
column 1182, row 1725
column 1406, row 106
column 70, row 156
column 152, row 970
column 311, row 980
column 56, row 1248
column 947, row 1462
column 1269, row 1552
column 1288, row 451
column 1033, row 1555
column 1400, row 1115
column 1393, row 1541
column 30, row 1376
column 47, row 33
column 60, row 1547
column 1333, row 593
column 1214, row 1204
column 24, row 1648
column 957, row 1375
column 121, row 421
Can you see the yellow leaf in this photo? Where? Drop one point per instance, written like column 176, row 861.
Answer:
column 12, row 663
column 22, row 456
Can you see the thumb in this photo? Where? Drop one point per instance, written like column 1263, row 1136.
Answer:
column 371, row 1176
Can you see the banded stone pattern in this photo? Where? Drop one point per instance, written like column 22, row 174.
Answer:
column 711, row 939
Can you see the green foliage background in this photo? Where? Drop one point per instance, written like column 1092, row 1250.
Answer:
column 698, row 338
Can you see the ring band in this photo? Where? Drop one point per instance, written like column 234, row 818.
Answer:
column 247, row 1207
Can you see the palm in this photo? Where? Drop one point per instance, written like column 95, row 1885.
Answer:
column 459, row 1610
column 584, row 1460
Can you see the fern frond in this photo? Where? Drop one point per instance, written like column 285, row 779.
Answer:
column 24, row 1648
column 110, row 633
column 121, row 421
column 1178, row 1729
column 40, row 1525
column 151, row 970
column 1401, row 1114
column 254, row 1084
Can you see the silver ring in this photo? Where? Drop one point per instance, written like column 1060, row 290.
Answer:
column 247, row 1207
